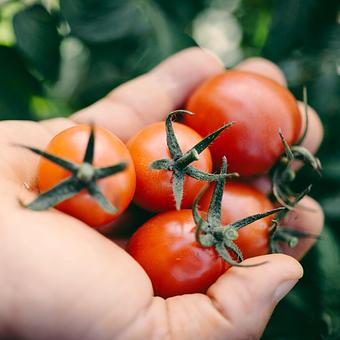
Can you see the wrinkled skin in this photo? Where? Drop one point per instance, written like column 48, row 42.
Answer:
column 60, row 279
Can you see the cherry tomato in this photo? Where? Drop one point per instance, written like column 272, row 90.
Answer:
column 154, row 187
column 166, row 248
column 259, row 106
column 239, row 201
column 119, row 188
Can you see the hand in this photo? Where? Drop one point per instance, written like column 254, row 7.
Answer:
column 60, row 279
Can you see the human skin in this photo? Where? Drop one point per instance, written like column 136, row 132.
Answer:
column 60, row 279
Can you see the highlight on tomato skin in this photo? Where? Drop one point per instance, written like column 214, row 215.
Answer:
column 119, row 188
column 259, row 106
column 154, row 187
column 166, row 248
column 240, row 200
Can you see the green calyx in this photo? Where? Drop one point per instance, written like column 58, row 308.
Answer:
column 211, row 233
column 283, row 173
column 179, row 163
column 84, row 176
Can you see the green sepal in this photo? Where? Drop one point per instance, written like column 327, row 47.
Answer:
column 180, row 163
column 211, row 232
column 59, row 193
column 103, row 202
column 250, row 219
column 64, row 163
column 178, row 187
column 89, row 152
column 214, row 212
column 84, row 176
column 107, row 171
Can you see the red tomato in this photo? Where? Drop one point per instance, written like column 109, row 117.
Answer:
column 166, row 248
column 118, row 188
column 239, row 201
column 259, row 106
column 154, row 187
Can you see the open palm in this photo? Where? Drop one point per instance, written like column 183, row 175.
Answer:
column 60, row 279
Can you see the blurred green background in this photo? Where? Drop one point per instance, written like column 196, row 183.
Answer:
column 59, row 56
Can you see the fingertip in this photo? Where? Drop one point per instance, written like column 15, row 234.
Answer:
column 183, row 72
column 263, row 67
column 247, row 296
column 281, row 265
column 264, row 278
column 308, row 219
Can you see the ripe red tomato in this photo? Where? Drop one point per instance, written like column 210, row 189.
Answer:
column 239, row 201
column 166, row 248
column 71, row 144
column 259, row 106
column 154, row 187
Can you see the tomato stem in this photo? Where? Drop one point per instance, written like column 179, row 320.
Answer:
column 179, row 163
column 305, row 106
column 211, row 232
column 84, row 176
column 283, row 174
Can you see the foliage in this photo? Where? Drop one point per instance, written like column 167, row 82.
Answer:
column 57, row 57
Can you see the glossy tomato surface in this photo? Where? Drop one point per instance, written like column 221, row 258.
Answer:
column 259, row 106
column 166, row 248
column 239, row 201
column 154, row 187
column 118, row 188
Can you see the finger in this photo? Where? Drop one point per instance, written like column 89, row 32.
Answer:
column 315, row 131
column 149, row 98
column 240, row 303
column 309, row 220
column 246, row 297
column 56, row 125
column 264, row 68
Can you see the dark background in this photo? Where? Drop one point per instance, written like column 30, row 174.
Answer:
column 59, row 56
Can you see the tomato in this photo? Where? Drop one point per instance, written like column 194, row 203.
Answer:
column 259, row 106
column 239, row 201
column 154, row 187
column 119, row 188
column 166, row 248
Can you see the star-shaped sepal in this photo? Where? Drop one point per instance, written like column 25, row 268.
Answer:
column 211, row 232
column 179, row 163
column 84, row 176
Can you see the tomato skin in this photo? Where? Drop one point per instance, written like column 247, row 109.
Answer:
column 239, row 201
column 154, row 187
column 166, row 248
column 259, row 106
column 119, row 188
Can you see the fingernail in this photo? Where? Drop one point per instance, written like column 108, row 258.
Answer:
column 283, row 290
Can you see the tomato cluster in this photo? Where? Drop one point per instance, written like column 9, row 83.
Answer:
column 206, row 221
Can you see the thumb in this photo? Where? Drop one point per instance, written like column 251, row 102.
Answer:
column 246, row 297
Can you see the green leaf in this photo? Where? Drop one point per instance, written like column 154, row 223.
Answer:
column 16, row 86
column 103, row 21
column 38, row 40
